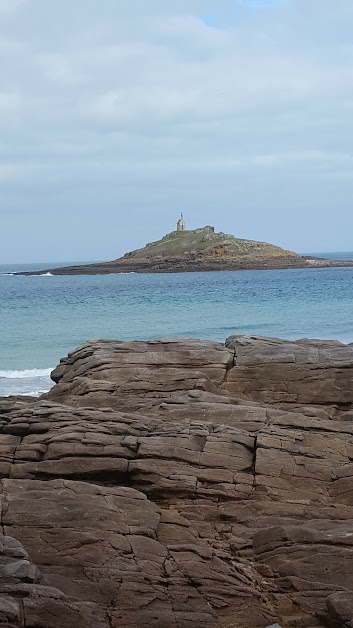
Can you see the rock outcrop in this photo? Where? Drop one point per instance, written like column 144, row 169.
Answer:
column 198, row 250
column 181, row 483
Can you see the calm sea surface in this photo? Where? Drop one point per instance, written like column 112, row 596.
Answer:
column 44, row 317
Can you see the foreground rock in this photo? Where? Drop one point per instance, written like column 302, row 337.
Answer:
column 181, row 483
column 198, row 250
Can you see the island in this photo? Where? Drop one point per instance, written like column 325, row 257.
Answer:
column 197, row 250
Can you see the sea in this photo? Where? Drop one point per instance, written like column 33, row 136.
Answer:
column 44, row 317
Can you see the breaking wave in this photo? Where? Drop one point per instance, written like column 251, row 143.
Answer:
column 32, row 382
column 26, row 374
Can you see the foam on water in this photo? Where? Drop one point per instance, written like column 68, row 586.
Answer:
column 31, row 382
column 25, row 374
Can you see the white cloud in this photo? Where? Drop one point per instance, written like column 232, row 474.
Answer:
column 59, row 69
column 103, row 104
column 8, row 172
column 8, row 7
column 9, row 101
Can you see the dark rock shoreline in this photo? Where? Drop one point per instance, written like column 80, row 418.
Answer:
column 190, row 266
column 181, row 483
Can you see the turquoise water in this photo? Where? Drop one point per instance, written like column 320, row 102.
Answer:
column 44, row 317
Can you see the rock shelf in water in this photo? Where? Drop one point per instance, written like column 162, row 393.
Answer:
column 181, row 483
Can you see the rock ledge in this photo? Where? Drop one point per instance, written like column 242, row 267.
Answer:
column 181, row 483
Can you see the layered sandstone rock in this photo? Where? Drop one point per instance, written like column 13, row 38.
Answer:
column 181, row 483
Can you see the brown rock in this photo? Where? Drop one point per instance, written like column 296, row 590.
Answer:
column 181, row 483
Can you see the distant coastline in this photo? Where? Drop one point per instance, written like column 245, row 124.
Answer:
column 333, row 255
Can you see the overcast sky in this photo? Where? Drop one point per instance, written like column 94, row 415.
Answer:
column 115, row 115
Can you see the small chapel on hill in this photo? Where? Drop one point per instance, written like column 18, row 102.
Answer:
column 181, row 226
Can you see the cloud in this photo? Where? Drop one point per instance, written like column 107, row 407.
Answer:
column 9, row 101
column 58, row 69
column 7, row 7
column 105, row 106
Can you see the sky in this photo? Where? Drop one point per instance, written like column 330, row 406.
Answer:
column 117, row 115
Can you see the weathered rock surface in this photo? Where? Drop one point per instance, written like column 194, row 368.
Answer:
column 27, row 600
column 181, row 483
column 305, row 372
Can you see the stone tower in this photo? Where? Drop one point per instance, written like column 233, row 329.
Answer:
column 181, row 223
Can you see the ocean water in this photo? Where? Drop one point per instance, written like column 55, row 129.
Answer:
column 44, row 317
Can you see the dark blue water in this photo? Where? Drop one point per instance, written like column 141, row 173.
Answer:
column 44, row 317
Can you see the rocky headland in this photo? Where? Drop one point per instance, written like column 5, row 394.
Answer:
column 181, row 483
column 197, row 250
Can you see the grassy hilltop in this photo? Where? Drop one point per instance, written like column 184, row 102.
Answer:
column 205, row 245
